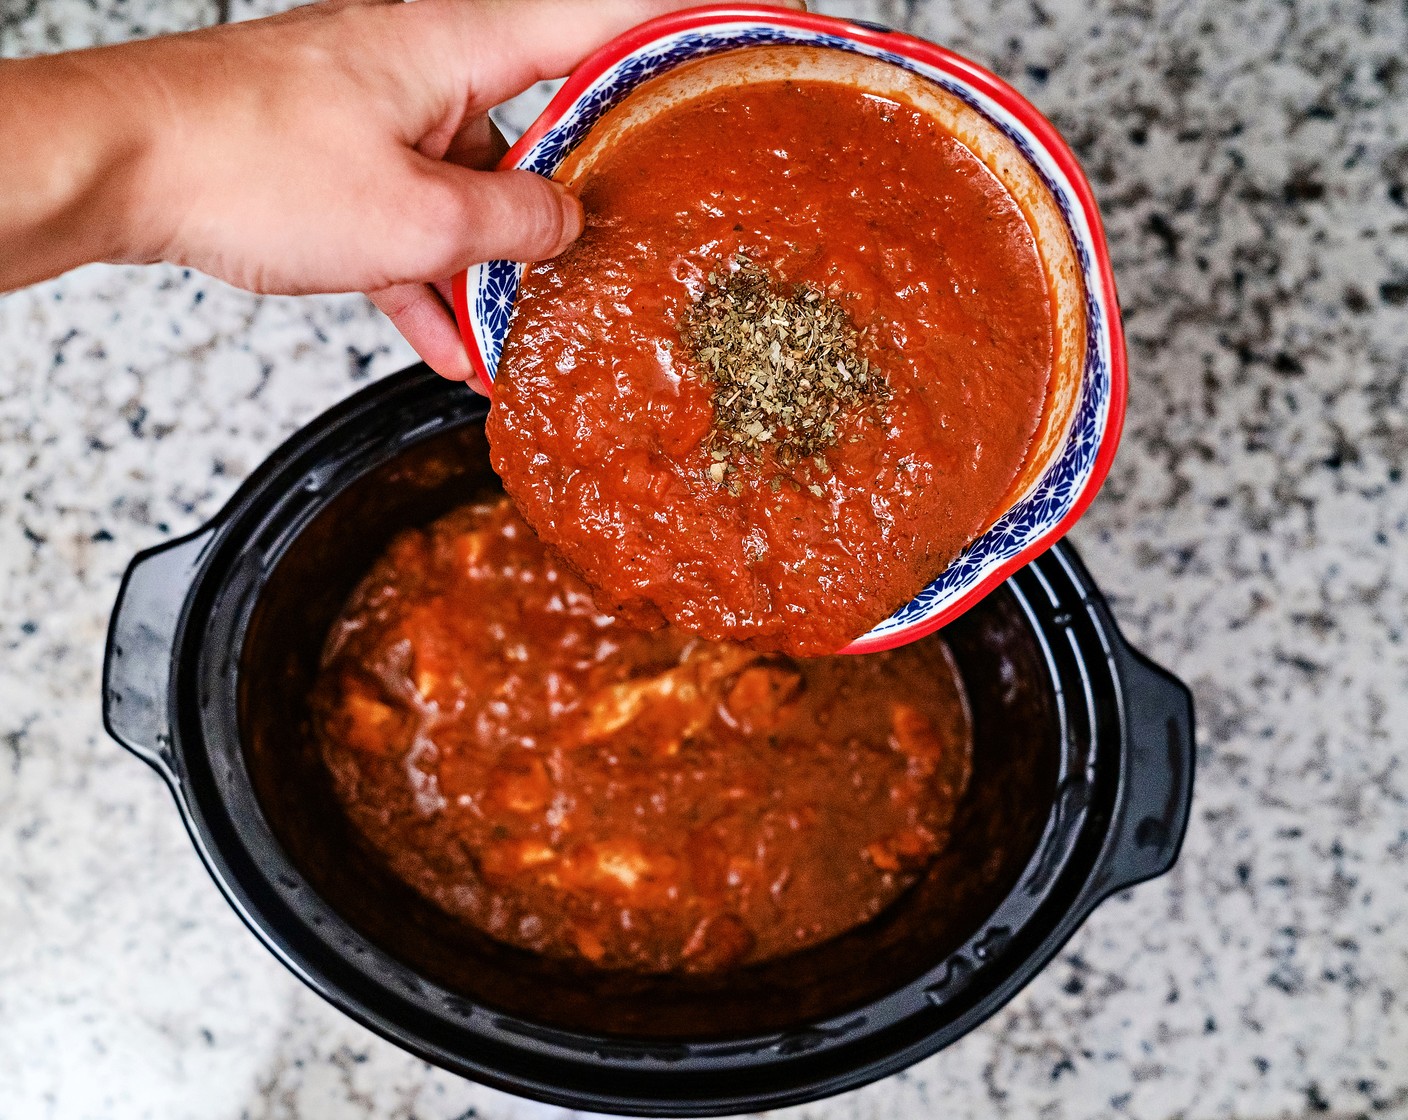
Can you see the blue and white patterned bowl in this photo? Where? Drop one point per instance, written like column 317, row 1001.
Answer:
column 1077, row 444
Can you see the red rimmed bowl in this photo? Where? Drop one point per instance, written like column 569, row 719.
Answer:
column 661, row 63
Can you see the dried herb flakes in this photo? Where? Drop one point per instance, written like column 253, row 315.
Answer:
column 784, row 368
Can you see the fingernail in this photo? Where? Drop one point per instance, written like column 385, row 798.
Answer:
column 573, row 216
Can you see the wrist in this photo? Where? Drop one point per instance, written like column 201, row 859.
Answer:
column 79, row 189
column 127, row 219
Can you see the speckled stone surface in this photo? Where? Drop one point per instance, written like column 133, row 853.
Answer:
column 1251, row 161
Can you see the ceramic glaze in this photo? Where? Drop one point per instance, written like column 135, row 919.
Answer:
column 1075, row 463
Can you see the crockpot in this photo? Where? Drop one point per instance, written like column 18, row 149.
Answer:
column 1081, row 786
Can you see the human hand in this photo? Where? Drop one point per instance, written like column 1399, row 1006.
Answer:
column 341, row 147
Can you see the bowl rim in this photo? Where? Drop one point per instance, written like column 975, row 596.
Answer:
column 988, row 84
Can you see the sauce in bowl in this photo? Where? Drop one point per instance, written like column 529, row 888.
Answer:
column 604, row 418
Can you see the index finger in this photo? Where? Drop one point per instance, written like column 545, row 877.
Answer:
column 505, row 46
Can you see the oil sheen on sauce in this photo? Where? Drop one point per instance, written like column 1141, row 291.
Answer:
column 600, row 418
column 651, row 802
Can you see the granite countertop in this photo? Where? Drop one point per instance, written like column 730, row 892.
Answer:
column 1251, row 162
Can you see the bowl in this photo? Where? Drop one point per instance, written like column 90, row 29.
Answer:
column 668, row 60
column 1081, row 787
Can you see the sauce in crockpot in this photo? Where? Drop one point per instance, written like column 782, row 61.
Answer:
column 606, row 419
column 642, row 801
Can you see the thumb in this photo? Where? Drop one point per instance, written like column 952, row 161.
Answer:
column 473, row 216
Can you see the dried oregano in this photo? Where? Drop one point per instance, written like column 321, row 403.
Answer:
column 784, row 368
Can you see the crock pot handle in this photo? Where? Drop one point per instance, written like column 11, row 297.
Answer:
column 141, row 641
column 1156, row 792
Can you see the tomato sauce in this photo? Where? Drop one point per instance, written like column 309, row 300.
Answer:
column 639, row 801
column 600, row 420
